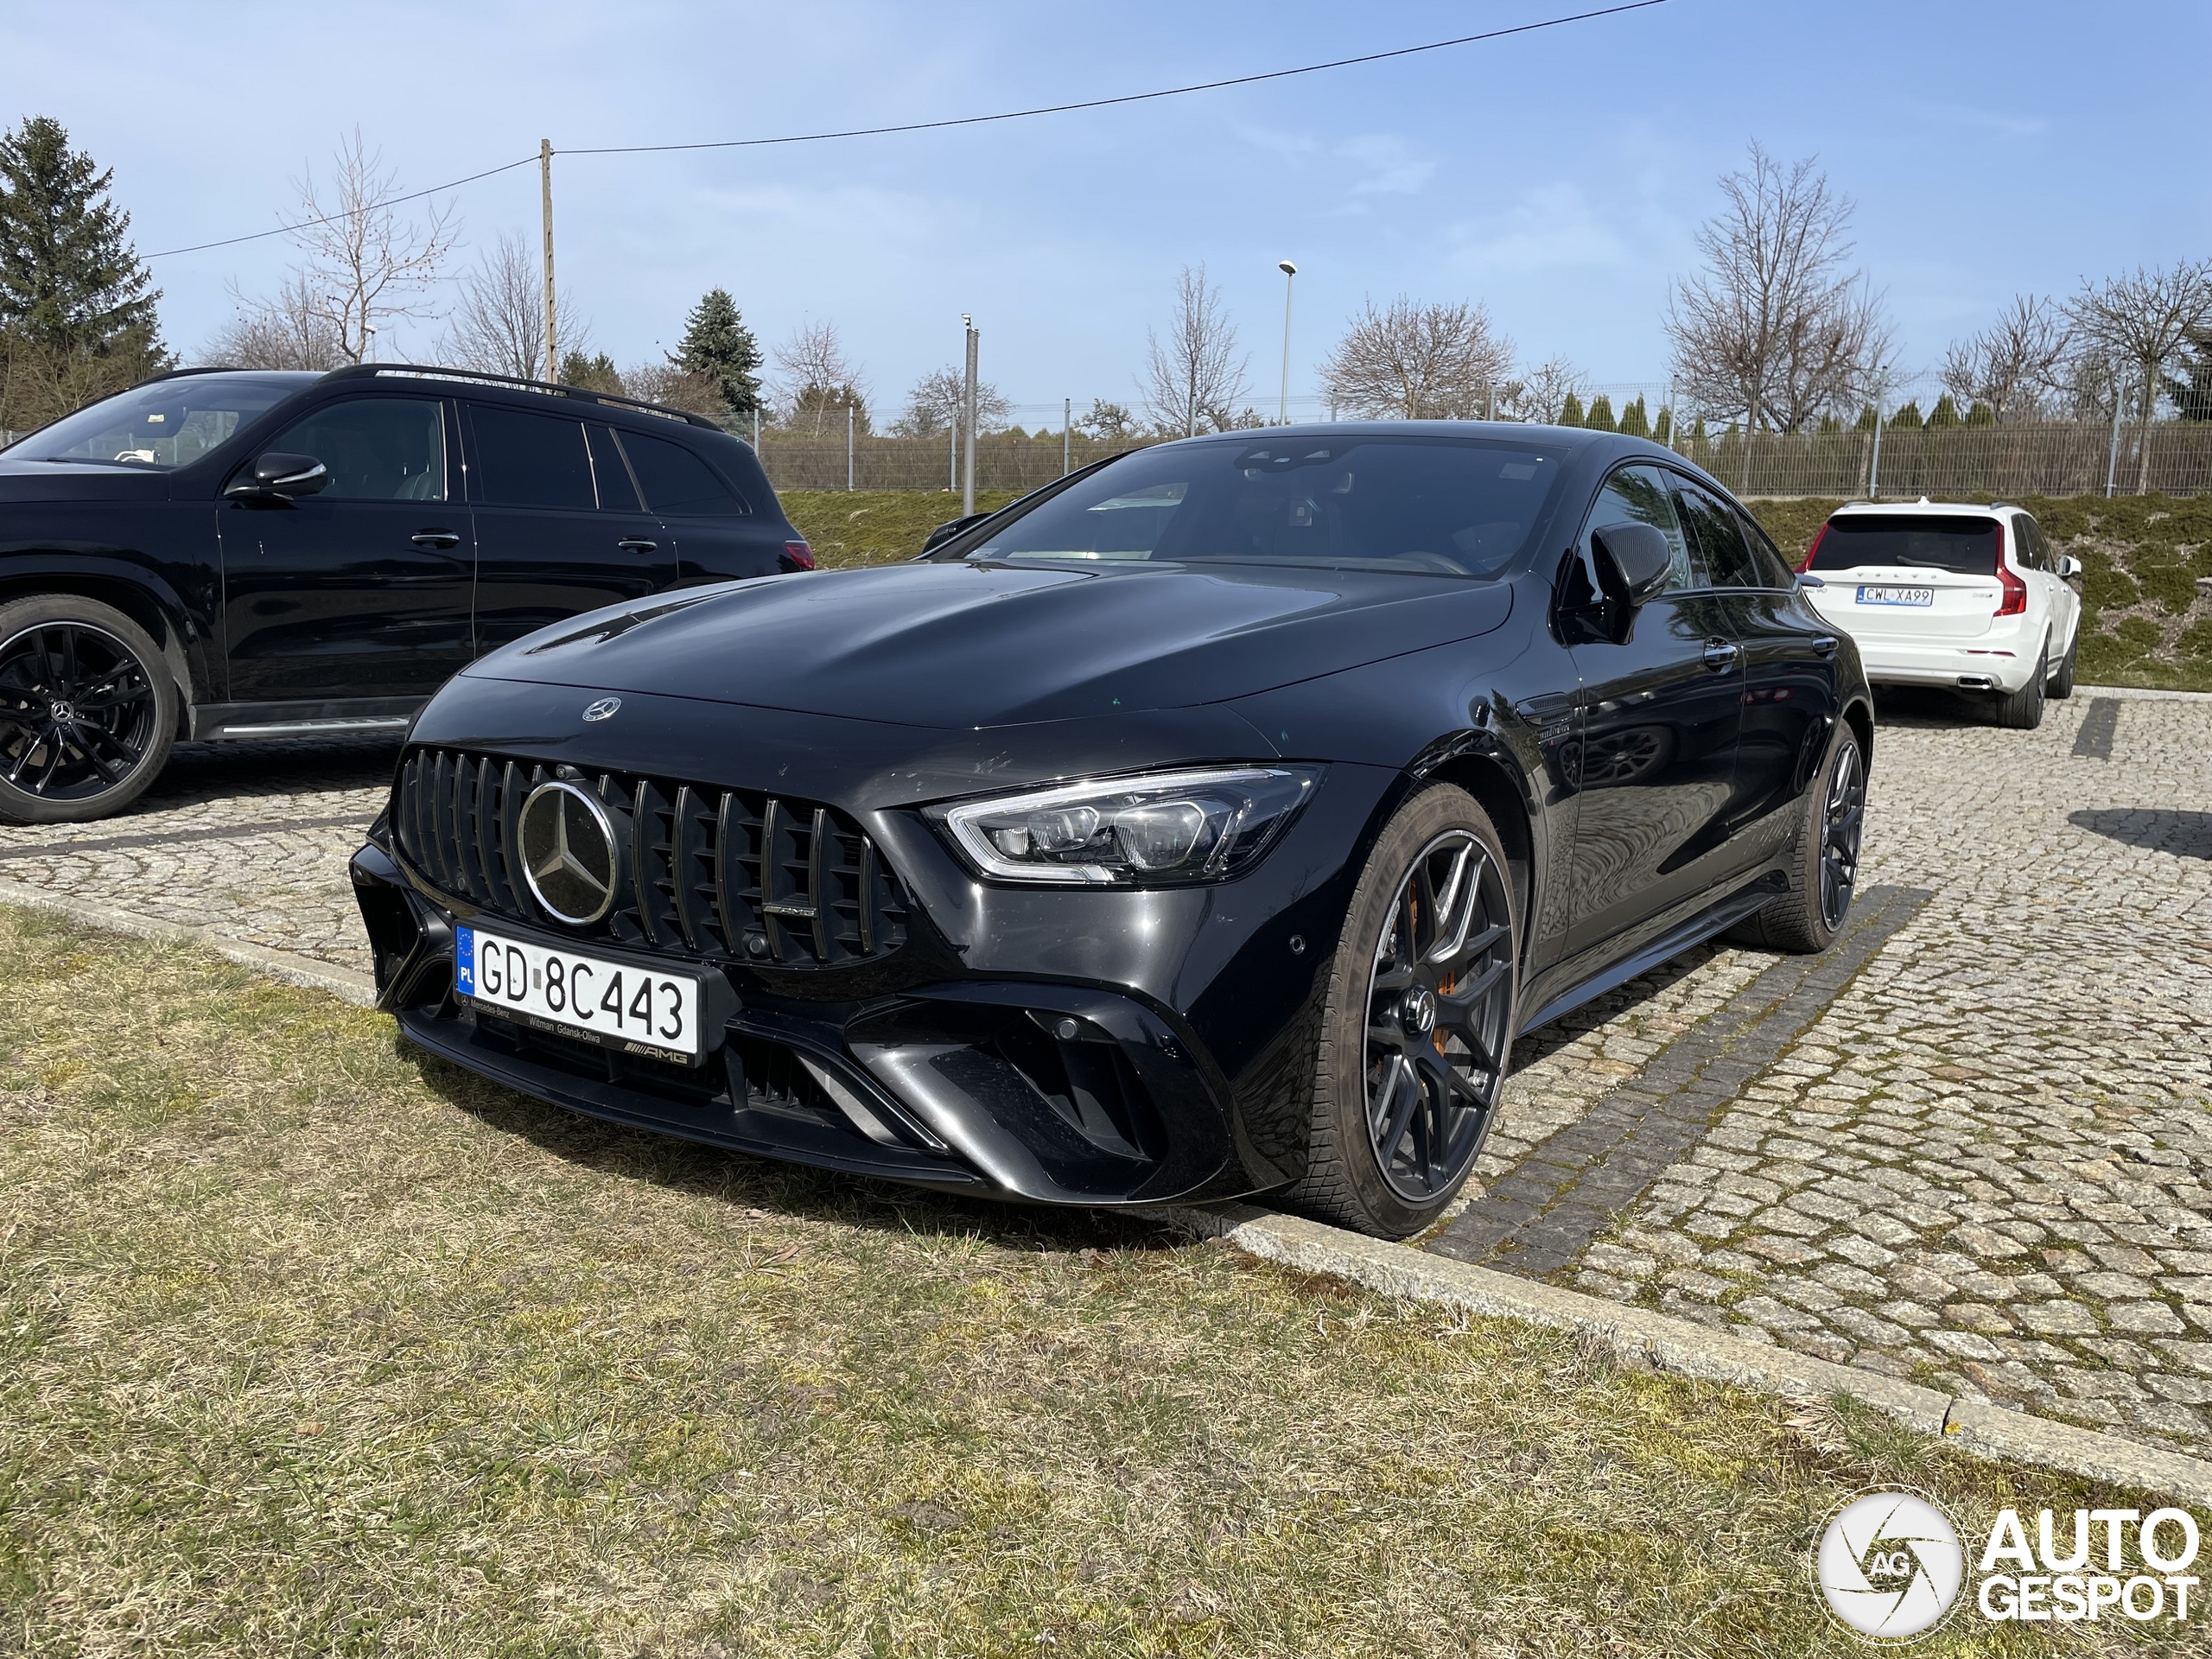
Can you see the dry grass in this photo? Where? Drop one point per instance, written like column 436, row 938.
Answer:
column 313, row 1346
column 850, row 527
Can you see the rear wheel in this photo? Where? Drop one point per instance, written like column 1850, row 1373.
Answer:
column 87, row 711
column 2062, row 683
column 1419, row 1022
column 2021, row 710
column 1824, row 858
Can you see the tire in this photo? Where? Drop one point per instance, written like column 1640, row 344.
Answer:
column 2062, row 683
column 2021, row 710
column 88, row 710
column 1432, row 1069
column 1824, row 858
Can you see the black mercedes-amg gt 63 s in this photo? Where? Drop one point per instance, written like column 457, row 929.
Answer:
column 1209, row 823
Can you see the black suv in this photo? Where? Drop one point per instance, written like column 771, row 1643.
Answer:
column 224, row 554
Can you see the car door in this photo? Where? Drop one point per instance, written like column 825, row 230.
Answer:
column 2062, row 606
column 559, row 528
column 1662, row 712
column 1791, row 686
column 717, row 535
column 363, row 590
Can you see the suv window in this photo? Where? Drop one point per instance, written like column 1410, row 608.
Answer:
column 2034, row 552
column 374, row 449
column 1952, row 542
column 1638, row 495
column 1717, row 537
column 676, row 480
column 616, row 493
column 530, row 461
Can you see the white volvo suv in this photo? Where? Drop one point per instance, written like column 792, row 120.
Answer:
column 1939, row 594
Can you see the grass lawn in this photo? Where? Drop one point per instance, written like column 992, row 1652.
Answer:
column 2145, row 622
column 312, row 1346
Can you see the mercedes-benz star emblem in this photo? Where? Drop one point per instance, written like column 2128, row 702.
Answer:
column 569, row 855
column 603, row 708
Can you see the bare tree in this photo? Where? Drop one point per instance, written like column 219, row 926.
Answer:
column 1539, row 393
column 1194, row 378
column 1109, row 421
column 933, row 405
column 659, row 381
column 2143, row 320
column 365, row 266
column 2013, row 365
column 814, row 381
column 498, row 323
column 1418, row 362
column 292, row 330
column 1775, row 329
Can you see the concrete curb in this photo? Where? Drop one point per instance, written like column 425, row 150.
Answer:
column 2141, row 694
column 1688, row 1348
column 341, row 983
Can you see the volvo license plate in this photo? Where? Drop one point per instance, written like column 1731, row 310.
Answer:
column 619, row 1005
column 1896, row 596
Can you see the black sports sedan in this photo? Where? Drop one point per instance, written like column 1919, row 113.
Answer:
column 1207, row 824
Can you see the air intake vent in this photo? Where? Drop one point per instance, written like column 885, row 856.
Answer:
column 727, row 873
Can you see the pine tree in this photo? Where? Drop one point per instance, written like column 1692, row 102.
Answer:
column 70, row 285
column 2191, row 391
column 1865, row 421
column 1662, row 430
column 1600, row 418
column 719, row 347
column 1830, row 427
column 1571, row 413
column 1634, row 421
column 1946, row 413
column 595, row 373
column 1907, row 418
column 1982, row 415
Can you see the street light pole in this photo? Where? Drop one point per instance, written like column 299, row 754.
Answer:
column 1289, row 279
column 968, row 419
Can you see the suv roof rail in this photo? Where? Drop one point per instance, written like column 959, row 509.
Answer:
column 485, row 377
column 178, row 374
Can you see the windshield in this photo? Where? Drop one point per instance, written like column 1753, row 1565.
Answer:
column 1454, row 506
column 169, row 423
column 1965, row 547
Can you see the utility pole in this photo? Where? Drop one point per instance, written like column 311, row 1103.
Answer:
column 968, row 418
column 1067, row 434
column 1289, row 281
column 545, row 187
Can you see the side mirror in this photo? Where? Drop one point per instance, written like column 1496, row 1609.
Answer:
column 2068, row 567
column 946, row 532
column 280, row 474
column 1633, row 562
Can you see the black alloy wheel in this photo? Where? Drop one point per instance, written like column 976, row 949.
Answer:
column 1844, row 823
column 87, row 711
column 1418, row 1025
column 1436, row 1018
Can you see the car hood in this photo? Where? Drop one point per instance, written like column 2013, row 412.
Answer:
column 960, row 645
column 67, row 480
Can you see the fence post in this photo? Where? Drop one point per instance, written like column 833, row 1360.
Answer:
column 967, row 416
column 848, row 446
column 952, row 456
column 2112, row 456
column 1067, row 428
column 1874, row 461
column 756, row 429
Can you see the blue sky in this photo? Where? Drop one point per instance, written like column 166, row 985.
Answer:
column 1557, row 178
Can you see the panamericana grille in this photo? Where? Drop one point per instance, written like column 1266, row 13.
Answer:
column 709, row 872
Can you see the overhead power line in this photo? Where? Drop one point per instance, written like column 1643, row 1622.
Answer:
column 954, row 121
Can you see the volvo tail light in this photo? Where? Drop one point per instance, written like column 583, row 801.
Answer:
column 2015, row 602
column 797, row 556
column 1819, row 535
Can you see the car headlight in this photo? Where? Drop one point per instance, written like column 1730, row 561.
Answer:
column 1166, row 827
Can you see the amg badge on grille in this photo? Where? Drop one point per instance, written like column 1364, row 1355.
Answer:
column 569, row 854
column 603, row 708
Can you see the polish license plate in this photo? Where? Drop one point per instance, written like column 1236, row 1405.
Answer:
column 618, row 1005
column 1896, row 596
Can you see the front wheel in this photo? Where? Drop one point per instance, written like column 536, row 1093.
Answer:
column 2061, row 683
column 1419, row 1022
column 2021, row 710
column 88, row 710
column 1824, row 873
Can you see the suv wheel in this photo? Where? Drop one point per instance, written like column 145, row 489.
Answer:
column 1419, row 1022
column 2061, row 683
column 87, row 711
column 2021, row 710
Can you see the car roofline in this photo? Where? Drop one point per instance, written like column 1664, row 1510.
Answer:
column 516, row 383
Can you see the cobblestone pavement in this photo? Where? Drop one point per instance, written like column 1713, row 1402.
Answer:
column 1971, row 1145
column 250, row 840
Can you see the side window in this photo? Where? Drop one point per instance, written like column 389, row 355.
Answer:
column 1773, row 569
column 1717, row 537
column 616, row 493
column 530, row 461
column 1638, row 495
column 375, row 448
column 676, row 480
column 2034, row 552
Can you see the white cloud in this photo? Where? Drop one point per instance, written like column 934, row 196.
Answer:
column 1551, row 226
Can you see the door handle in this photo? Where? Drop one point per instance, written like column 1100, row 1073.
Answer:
column 435, row 538
column 1824, row 644
column 636, row 544
column 1720, row 655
